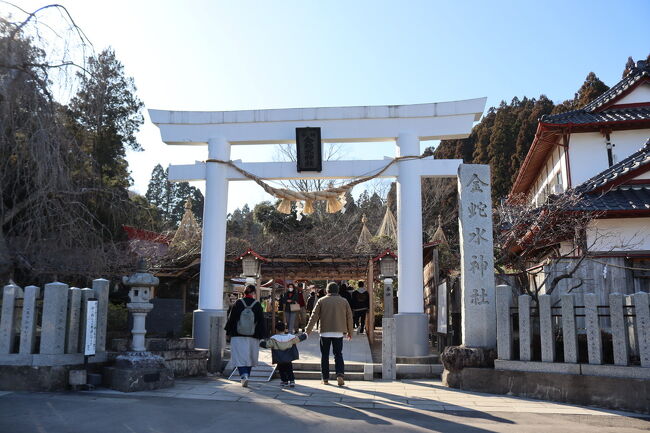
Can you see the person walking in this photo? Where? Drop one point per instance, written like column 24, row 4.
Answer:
column 311, row 302
column 283, row 353
column 290, row 307
column 301, row 320
column 245, row 327
column 361, row 305
column 335, row 316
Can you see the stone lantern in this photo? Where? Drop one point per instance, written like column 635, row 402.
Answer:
column 142, row 286
column 139, row 370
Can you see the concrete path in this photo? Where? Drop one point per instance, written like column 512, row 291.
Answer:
column 425, row 394
column 218, row 405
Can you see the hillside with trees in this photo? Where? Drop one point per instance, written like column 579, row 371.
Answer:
column 68, row 114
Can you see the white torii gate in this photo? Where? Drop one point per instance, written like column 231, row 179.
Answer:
column 405, row 124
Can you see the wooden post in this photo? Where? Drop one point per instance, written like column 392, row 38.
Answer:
column 370, row 317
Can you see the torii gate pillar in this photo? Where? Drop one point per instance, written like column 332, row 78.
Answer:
column 213, row 242
column 412, row 323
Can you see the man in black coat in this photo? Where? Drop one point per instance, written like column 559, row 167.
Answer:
column 360, row 306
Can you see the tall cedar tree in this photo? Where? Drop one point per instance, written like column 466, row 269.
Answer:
column 169, row 198
column 109, row 113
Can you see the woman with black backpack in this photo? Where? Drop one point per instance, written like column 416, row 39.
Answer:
column 245, row 327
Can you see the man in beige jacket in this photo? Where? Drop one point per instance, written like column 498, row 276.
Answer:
column 335, row 317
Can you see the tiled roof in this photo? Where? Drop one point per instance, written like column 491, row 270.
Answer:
column 639, row 158
column 589, row 113
column 642, row 70
column 622, row 198
column 578, row 117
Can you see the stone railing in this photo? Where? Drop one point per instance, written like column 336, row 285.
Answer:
column 56, row 321
column 627, row 318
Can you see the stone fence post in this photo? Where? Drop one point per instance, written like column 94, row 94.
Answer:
column 642, row 313
column 594, row 339
column 546, row 328
column 569, row 329
column 55, row 309
column 10, row 293
column 619, row 329
column 525, row 328
column 74, row 320
column 101, row 286
column 28, row 321
column 504, row 322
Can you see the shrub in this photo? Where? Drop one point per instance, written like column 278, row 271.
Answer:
column 117, row 320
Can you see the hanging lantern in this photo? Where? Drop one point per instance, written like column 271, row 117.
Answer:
column 251, row 264
column 387, row 264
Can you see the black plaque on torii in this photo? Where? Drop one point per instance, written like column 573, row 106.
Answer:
column 309, row 155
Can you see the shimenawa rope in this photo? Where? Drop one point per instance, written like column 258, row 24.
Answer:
column 335, row 196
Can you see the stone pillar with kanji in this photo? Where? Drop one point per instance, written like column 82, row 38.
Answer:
column 476, row 254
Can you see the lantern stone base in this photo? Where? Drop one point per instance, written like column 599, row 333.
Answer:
column 201, row 326
column 412, row 334
column 138, row 371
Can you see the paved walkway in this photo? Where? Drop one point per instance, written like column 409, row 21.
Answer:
column 427, row 395
column 218, row 405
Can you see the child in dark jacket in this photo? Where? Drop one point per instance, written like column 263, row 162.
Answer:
column 284, row 352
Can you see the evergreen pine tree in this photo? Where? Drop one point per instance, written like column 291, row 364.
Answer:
column 169, row 198
column 107, row 109
column 592, row 88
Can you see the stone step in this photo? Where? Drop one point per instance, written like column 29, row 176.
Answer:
column 259, row 373
column 315, row 366
column 428, row 359
column 315, row 375
column 404, row 371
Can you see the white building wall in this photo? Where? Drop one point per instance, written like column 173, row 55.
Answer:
column 588, row 152
column 627, row 142
column 587, row 156
column 619, row 234
column 644, row 176
column 552, row 173
column 639, row 95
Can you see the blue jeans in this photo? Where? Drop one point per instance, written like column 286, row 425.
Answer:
column 337, row 348
column 244, row 371
column 290, row 317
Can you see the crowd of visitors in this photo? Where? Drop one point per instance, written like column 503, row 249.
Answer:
column 336, row 312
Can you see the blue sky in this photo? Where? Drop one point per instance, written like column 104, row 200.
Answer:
column 217, row 55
